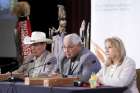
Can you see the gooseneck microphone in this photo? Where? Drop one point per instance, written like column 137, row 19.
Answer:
column 12, row 78
column 48, row 63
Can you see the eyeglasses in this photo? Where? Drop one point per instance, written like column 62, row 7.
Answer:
column 69, row 47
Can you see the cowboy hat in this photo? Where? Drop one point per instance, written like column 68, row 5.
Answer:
column 37, row 37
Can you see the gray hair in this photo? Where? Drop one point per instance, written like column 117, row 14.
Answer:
column 73, row 38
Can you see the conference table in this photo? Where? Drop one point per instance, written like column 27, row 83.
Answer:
column 20, row 87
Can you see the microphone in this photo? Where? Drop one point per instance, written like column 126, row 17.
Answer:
column 12, row 78
column 31, row 61
column 48, row 63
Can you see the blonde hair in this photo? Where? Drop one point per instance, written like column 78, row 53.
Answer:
column 21, row 8
column 118, row 44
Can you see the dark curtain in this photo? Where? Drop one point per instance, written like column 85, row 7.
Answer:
column 77, row 10
column 44, row 13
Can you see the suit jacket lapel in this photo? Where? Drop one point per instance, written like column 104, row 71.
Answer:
column 65, row 66
column 77, row 65
column 74, row 69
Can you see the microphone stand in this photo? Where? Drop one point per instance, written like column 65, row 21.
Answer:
column 34, row 68
column 38, row 67
column 12, row 78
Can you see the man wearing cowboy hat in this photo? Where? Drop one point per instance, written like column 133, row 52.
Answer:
column 40, row 62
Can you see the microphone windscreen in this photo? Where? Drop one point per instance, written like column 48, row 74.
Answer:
column 48, row 63
column 31, row 61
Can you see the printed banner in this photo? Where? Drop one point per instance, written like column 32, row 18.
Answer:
column 24, row 29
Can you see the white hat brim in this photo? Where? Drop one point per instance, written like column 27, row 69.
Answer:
column 27, row 40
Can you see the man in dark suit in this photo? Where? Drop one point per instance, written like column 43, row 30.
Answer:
column 78, row 61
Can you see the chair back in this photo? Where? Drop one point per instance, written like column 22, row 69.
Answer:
column 138, row 79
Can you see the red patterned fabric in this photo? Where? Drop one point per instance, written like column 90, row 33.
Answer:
column 23, row 30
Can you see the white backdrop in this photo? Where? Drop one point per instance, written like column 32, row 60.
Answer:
column 117, row 18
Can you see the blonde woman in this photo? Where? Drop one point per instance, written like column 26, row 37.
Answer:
column 119, row 70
